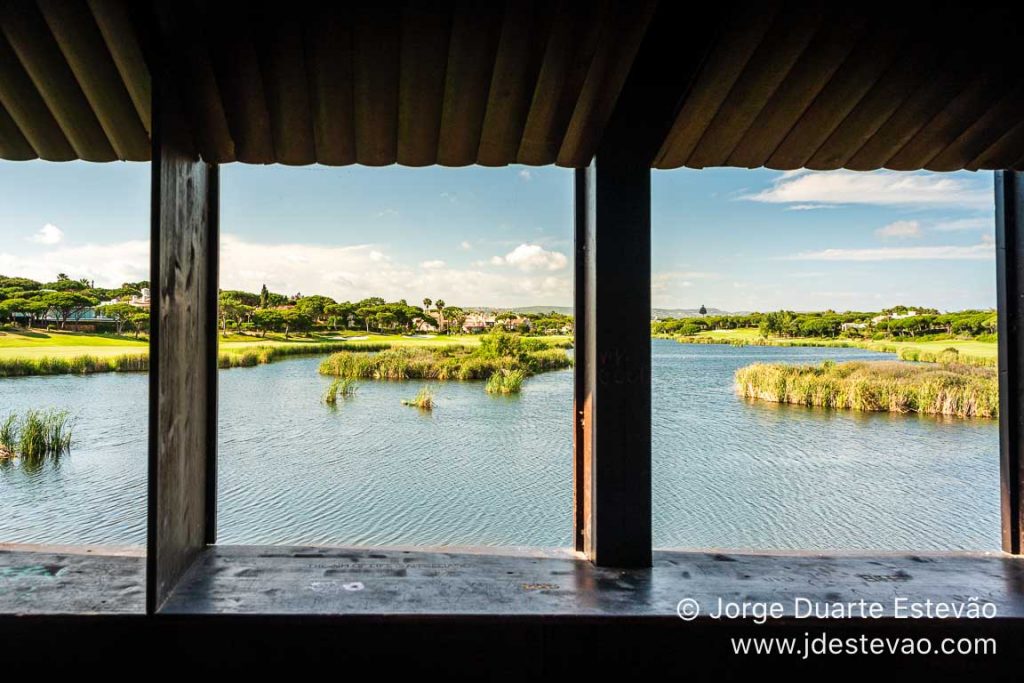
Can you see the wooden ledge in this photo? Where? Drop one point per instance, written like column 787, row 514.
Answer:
column 499, row 583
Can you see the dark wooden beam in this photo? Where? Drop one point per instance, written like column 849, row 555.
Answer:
column 1009, row 187
column 613, row 468
column 183, row 376
column 580, row 441
column 613, row 296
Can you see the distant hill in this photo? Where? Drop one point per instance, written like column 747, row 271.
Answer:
column 660, row 313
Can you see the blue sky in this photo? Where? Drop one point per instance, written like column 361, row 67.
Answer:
column 727, row 238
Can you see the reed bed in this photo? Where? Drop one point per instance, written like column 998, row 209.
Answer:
column 341, row 386
column 955, row 390
column 76, row 365
column 261, row 355
column 506, row 382
column 36, row 434
column 444, row 363
column 424, row 400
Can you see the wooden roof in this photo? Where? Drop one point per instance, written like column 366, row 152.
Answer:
column 783, row 85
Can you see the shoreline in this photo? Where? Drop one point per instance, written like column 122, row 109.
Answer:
column 907, row 352
column 243, row 356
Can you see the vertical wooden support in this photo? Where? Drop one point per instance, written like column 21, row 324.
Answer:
column 1009, row 186
column 613, row 443
column 580, row 410
column 183, row 348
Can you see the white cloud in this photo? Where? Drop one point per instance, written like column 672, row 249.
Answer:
column 977, row 252
column 900, row 230
column 432, row 265
column 386, row 213
column 354, row 272
column 465, row 245
column 809, row 207
column 885, row 188
column 525, row 175
column 108, row 265
column 528, row 257
column 48, row 234
column 979, row 223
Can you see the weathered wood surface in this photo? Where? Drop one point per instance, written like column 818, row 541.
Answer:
column 183, row 378
column 483, row 582
column 360, row 581
column 71, row 581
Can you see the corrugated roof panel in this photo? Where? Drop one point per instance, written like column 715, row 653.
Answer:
column 784, row 85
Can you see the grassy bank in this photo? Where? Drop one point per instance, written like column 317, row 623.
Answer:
column 957, row 390
column 260, row 355
column 969, row 351
column 73, row 365
column 39, row 352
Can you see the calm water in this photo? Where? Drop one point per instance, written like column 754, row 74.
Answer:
column 497, row 470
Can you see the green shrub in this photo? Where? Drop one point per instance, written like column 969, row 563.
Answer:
column 506, row 382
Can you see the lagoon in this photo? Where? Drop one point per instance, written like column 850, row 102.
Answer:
column 486, row 469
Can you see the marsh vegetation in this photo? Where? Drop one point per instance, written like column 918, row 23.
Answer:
column 951, row 389
column 35, row 434
column 424, row 399
column 497, row 353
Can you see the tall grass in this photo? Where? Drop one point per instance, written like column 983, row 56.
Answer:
column 261, row 355
column 36, row 434
column 958, row 390
column 443, row 363
column 424, row 399
column 506, row 382
column 8, row 436
column 341, row 386
column 139, row 362
column 76, row 365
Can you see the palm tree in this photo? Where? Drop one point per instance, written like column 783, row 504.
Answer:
column 439, row 305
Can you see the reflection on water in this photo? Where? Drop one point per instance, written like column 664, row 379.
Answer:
column 497, row 470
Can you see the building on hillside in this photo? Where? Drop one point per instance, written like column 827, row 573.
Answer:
column 476, row 323
column 893, row 316
column 142, row 300
column 422, row 325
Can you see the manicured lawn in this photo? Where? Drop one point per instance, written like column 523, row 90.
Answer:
column 40, row 343
column 966, row 347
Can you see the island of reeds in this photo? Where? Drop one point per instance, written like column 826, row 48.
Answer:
column 499, row 354
column 955, row 390
column 35, row 434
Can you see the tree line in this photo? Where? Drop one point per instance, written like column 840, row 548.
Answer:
column 268, row 311
column 895, row 322
column 66, row 299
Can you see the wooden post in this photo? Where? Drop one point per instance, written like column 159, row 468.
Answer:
column 613, row 463
column 183, row 351
column 1009, row 186
column 580, row 410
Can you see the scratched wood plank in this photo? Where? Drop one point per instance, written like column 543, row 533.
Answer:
column 439, row 582
column 71, row 581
